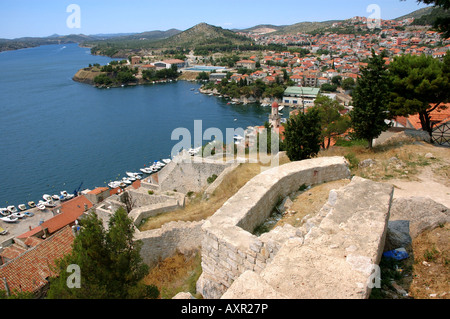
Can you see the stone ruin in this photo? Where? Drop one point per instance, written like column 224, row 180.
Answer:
column 334, row 254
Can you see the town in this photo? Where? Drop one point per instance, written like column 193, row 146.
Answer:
column 304, row 68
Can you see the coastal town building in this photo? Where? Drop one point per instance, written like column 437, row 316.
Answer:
column 302, row 97
column 135, row 60
column 167, row 64
column 248, row 64
column 30, row 269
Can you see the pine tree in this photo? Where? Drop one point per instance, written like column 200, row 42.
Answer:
column 370, row 100
column 109, row 262
column 420, row 85
column 303, row 135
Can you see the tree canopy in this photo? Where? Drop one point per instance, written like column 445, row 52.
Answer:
column 303, row 135
column 109, row 261
column 420, row 84
column 332, row 122
column 370, row 99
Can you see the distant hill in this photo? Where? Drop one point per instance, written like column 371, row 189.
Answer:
column 432, row 16
column 260, row 27
column 201, row 37
column 149, row 35
column 203, row 34
column 30, row 42
column 305, row 27
column 416, row 14
column 301, row 27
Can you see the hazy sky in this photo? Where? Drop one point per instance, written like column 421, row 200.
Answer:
column 21, row 18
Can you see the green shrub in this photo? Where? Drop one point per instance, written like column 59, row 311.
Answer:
column 352, row 159
column 211, row 179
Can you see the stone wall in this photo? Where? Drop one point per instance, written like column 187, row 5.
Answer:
column 336, row 259
column 173, row 237
column 229, row 248
column 189, row 175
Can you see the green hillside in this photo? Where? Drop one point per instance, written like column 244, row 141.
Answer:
column 202, row 38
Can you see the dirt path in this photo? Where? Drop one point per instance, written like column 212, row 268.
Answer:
column 433, row 180
column 429, row 185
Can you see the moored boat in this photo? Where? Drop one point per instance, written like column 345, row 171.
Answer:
column 31, row 204
column 12, row 209
column 9, row 219
column 22, row 207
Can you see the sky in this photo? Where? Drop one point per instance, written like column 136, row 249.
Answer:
column 40, row 18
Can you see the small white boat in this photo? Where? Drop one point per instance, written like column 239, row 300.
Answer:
column 41, row 207
column 49, row 203
column 18, row 215
column 146, row 170
column 114, row 184
column 167, row 160
column 4, row 212
column 194, row 151
column 9, row 219
column 55, row 197
column 22, row 207
column 126, row 181
column 12, row 209
column 46, row 197
column 130, row 174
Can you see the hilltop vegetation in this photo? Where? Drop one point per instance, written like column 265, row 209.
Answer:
column 201, row 38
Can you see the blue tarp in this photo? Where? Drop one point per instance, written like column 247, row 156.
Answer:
column 398, row 254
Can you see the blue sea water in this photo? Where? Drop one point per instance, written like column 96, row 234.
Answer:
column 56, row 133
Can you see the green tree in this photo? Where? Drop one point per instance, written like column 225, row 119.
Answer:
column 329, row 87
column 420, row 84
column 332, row 122
column 109, row 262
column 348, row 84
column 202, row 76
column 337, row 80
column 370, row 99
column 302, row 135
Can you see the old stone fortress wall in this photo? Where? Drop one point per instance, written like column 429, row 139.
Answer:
column 333, row 255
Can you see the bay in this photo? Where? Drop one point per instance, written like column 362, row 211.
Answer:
column 56, row 133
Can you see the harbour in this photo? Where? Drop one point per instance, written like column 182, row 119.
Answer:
column 61, row 133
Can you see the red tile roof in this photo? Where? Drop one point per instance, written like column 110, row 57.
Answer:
column 29, row 272
column 70, row 211
column 438, row 116
column 98, row 190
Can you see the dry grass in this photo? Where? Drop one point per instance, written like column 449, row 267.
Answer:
column 431, row 269
column 175, row 274
column 424, row 274
column 308, row 202
column 197, row 209
column 402, row 160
